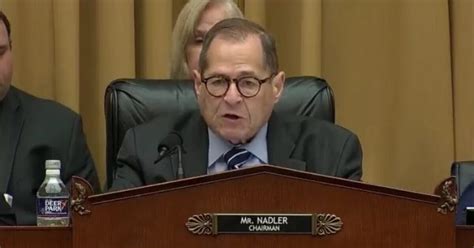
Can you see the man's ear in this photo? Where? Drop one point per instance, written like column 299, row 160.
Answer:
column 278, row 85
column 197, row 81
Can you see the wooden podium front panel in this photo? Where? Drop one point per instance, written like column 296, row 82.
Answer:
column 155, row 216
column 37, row 237
column 465, row 236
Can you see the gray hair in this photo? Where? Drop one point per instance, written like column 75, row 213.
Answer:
column 183, row 31
column 236, row 29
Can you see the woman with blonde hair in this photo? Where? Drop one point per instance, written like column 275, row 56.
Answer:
column 194, row 20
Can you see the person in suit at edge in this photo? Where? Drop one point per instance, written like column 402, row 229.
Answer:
column 237, row 86
column 192, row 24
column 33, row 130
column 466, row 200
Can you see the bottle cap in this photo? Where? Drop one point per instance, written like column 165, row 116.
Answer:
column 53, row 164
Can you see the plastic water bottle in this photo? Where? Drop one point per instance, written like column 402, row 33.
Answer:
column 52, row 198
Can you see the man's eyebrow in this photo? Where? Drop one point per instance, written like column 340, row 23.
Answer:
column 246, row 73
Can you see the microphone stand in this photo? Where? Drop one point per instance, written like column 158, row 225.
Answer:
column 169, row 153
column 180, row 170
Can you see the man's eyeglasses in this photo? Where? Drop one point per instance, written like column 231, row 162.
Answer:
column 248, row 86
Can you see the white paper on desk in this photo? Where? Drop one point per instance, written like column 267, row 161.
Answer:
column 8, row 199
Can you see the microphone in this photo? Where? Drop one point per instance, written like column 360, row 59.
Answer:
column 168, row 144
column 171, row 144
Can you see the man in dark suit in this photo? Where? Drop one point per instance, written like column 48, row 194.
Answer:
column 237, row 86
column 33, row 130
column 466, row 200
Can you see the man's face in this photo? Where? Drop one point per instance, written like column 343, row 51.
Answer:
column 233, row 116
column 6, row 61
column 211, row 15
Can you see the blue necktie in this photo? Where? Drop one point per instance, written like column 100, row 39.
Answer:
column 236, row 157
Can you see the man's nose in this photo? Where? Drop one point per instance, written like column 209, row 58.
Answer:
column 233, row 96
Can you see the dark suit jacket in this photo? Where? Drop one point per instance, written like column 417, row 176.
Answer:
column 467, row 200
column 33, row 130
column 297, row 142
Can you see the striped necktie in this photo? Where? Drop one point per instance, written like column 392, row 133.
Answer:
column 236, row 157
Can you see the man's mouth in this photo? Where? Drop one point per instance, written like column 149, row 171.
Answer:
column 231, row 116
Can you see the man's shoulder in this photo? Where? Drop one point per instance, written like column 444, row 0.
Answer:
column 312, row 125
column 169, row 122
column 154, row 131
column 468, row 193
column 38, row 106
column 324, row 126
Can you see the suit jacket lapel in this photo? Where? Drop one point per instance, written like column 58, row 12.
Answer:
column 281, row 143
column 11, row 123
column 195, row 144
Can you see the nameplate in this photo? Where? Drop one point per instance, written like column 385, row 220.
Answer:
column 250, row 223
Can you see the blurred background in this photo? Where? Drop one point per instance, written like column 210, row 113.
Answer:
column 401, row 70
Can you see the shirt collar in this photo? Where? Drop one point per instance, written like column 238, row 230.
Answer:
column 258, row 146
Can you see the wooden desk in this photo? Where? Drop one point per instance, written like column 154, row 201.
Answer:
column 465, row 237
column 35, row 237
column 40, row 237
column 156, row 215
